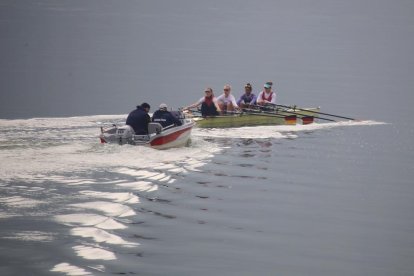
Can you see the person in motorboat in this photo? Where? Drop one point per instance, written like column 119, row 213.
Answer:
column 248, row 99
column 139, row 119
column 226, row 101
column 266, row 95
column 209, row 106
column 164, row 117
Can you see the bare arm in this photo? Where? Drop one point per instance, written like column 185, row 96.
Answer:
column 215, row 101
column 233, row 101
column 192, row 105
column 259, row 98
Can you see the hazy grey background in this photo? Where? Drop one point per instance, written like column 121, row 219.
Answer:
column 68, row 58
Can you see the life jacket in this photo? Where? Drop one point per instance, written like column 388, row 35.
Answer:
column 208, row 100
column 269, row 99
column 208, row 108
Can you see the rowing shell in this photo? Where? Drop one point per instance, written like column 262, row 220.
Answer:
column 257, row 119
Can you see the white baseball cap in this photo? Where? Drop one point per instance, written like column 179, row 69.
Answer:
column 163, row 106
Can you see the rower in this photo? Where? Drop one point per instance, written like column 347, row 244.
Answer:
column 248, row 99
column 226, row 101
column 209, row 106
column 266, row 96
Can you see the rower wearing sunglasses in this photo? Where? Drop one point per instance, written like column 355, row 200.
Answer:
column 226, row 101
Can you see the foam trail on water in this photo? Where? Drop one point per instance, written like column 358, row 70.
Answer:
column 116, row 197
column 38, row 236
column 143, row 186
column 20, row 202
column 109, row 208
column 274, row 132
column 93, row 253
column 70, row 270
column 85, row 219
column 99, row 235
column 44, row 148
column 317, row 126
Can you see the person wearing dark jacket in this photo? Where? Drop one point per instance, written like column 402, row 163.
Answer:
column 139, row 119
column 164, row 117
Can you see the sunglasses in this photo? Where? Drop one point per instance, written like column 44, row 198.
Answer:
column 226, row 89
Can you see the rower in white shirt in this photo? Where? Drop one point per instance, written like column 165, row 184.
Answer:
column 226, row 101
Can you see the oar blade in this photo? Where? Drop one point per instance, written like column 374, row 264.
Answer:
column 290, row 120
column 306, row 120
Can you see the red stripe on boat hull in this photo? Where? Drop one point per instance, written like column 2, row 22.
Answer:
column 169, row 138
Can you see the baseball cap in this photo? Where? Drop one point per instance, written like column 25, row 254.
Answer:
column 163, row 106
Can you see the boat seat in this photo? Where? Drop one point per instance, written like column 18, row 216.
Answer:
column 154, row 128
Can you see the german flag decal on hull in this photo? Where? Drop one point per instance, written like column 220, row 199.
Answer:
column 290, row 120
column 307, row 120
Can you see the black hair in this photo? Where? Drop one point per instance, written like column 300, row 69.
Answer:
column 145, row 105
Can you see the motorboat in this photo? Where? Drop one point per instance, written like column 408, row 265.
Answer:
column 158, row 137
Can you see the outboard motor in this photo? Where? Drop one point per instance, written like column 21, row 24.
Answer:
column 124, row 134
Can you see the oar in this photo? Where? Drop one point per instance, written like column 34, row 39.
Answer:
column 298, row 113
column 306, row 118
column 226, row 113
column 316, row 112
column 194, row 111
